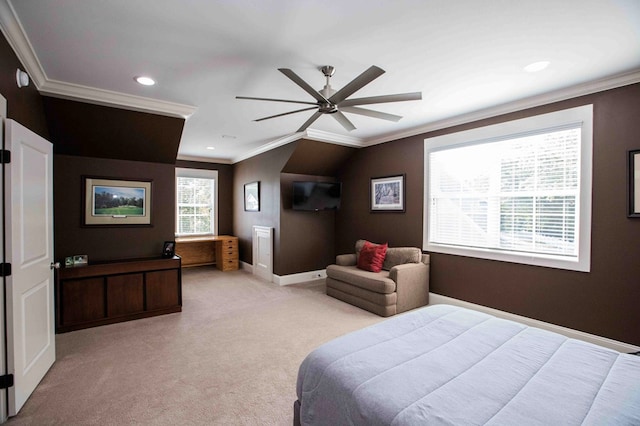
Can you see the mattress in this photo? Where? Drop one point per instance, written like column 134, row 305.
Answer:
column 445, row 365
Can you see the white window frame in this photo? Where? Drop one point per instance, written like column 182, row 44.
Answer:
column 513, row 129
column 203, row 174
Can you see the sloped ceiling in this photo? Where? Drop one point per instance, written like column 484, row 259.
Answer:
column 78, row 128
column 317, row 158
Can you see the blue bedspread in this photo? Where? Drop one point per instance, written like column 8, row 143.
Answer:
column 444, row 365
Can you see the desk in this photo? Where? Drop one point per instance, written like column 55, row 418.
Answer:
column 219, row 250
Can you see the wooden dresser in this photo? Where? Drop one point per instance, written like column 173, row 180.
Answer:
column 109, row 292
column 219, row 250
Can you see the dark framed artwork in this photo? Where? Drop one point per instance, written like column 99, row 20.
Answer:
column 634, row 184
column 169, row 249
column 252, row 197
column 387, row 194
column 116, row 202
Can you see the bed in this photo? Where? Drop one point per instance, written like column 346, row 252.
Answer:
column 446, row 365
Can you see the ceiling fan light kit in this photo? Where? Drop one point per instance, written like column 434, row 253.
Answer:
column 330, row 101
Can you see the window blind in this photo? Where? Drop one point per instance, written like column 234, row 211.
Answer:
column 519, row 194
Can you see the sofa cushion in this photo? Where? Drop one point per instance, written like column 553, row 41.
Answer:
column 395, row 255
column 372, row 257
column 378, row 282
column 400, row 256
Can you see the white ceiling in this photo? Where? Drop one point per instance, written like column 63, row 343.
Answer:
column 465, row 56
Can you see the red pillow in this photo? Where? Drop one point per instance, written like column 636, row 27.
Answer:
column 372, row 256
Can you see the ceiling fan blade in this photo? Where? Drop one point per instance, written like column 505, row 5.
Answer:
column 342, row 119
column 399, row 97
column 303, row 84
column 310, row 121
column 276, row 100
column 372, row 113
column 356, row 84
column 286, row 113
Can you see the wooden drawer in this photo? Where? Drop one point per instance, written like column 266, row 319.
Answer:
column 229, row 254
column 229, row 244
column 228, row 265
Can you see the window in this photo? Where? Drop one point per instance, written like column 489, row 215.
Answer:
column 196, row 202
column 517, row 191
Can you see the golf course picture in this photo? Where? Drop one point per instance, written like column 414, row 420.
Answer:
column 118, row 201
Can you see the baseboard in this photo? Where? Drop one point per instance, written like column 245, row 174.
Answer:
column 292, row 278
column 299, row 278
column 436, row 299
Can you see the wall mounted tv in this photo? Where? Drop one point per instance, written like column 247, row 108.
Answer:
column 316, row 196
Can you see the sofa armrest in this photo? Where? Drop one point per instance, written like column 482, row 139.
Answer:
column 412, row 285
column 346, row 259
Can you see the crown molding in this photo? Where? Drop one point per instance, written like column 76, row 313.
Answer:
column 16, row 36
column 588, row 88
column 269, row 146
column 204, row 159
column 311, row 134
column 322, row 136
column 60, row 89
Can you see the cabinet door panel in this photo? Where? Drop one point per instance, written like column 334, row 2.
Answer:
column 125, row 294
column 163, row 289
column 82, row 300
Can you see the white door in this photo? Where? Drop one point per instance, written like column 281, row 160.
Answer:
column 262, row 252
column 3, row 371
column 28, row 185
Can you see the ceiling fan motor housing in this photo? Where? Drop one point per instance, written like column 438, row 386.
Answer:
column 327, row 107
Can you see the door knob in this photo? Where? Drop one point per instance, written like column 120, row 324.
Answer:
column 55, row 265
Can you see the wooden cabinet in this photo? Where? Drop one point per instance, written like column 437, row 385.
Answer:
column 227, row 253
column 219, row 250
column 110, row 292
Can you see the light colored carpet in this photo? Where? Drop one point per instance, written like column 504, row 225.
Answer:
column 230, row 357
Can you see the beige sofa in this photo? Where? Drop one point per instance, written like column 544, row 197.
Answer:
column 402, row 285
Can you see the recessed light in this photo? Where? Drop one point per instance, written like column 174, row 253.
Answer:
column 536, row 66
column 211, row 147
column 145, row 81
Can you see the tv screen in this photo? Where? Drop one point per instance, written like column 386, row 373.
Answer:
column 315, row 196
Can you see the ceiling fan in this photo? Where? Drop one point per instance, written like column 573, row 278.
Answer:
column 330, row 101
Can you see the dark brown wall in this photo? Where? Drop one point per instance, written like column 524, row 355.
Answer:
column 317, row 158
column 225, row 191
column 307, row 240
column 603, row 302
column 79, row 128
column 304, row 241
column 264, row 168
column 107, row 243
column 23, row 105
column 354, row 220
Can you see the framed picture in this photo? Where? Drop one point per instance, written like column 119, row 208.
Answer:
column 252, row 197
column 169, row 249
column 634, row 184
column 116, row 202
column 387, row 194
